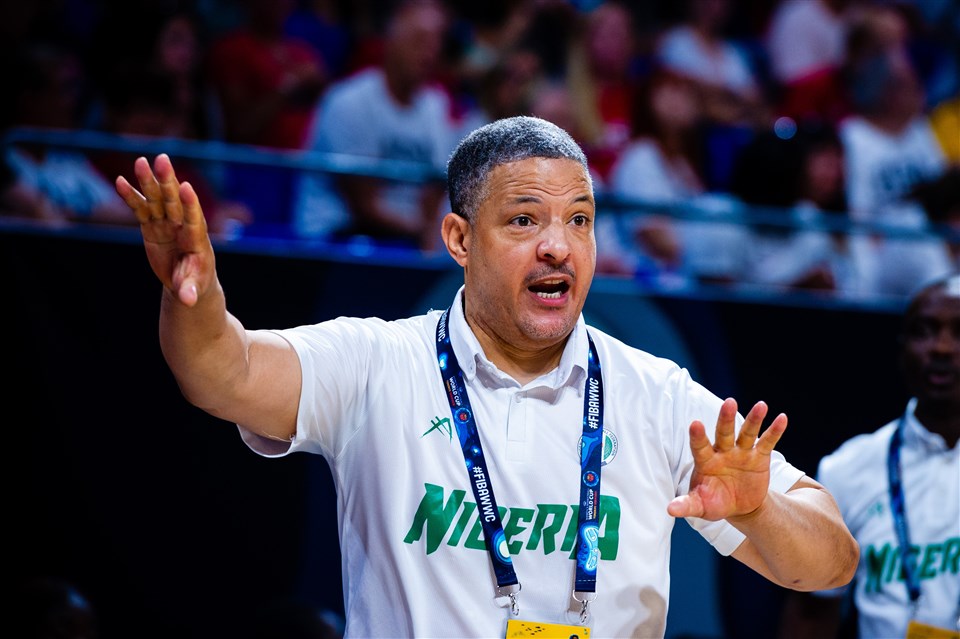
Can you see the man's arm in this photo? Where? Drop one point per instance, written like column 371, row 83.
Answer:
column 797, row 539
column 248, row 377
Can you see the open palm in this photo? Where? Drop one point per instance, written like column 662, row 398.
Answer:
column 731, row 475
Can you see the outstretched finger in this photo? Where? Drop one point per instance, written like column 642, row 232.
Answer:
column 700, row 444
column 772, row 435
column 193, row 212
column 150, row 188
column 133, row 198
column 726, row 424
column 751, row 426
column 169, row 188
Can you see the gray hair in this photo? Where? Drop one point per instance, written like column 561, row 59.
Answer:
column 501, row 142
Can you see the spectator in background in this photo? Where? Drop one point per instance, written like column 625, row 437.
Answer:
column 602, row 76
column 940, row 200
column 899, row 488
column 890, row 147
column 660, row 166
column 797, row 184
column 684, row 233
column 888, row 141
column 805, row 44
column 46, row 88
column 904, row 263
column 504, row 90
column 387, row 112
column 699, row 49
column 934, row 45
column 146, row 103
column 323, row 25
column 268, row 85
column 179, row 52
column 168, row 41
column 730, row 91
column 19, row 199
column 487, row 36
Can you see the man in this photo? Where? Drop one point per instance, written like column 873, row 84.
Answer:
column 386, row 112
column 899, row 487
column 537, row 400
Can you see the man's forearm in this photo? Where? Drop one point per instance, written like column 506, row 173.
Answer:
column 204, row 346
column 798, row 540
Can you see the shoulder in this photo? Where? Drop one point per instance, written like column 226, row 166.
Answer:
column 642, row 156
column 361, row 83
column 630, row 364
column 435, row 93
column 678, row 36
column 641, row 150
column 367, row 337
column 864, row 452
column 854, row 129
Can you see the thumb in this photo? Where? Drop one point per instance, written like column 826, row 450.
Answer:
column 187, row 292
column 686, row 506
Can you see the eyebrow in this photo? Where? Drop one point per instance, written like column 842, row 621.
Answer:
column 526, row 199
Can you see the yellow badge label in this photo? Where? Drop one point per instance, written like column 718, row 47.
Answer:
column 517, row 629
column 917, row 630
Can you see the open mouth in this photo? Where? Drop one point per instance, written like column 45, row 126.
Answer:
column 550, row 289
column 941, row 376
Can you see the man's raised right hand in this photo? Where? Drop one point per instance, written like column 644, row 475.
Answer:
column 173, row 227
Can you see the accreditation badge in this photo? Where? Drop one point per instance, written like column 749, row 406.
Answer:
column 918, row 630
column 517, row 629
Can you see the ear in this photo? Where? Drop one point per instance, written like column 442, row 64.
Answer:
column 456, row 236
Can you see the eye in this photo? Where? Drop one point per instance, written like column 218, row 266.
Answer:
column 920, row 330
column 521, row 220
column 580, row 220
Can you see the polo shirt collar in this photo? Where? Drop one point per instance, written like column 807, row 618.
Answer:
column 916, row 434
column 571, row 369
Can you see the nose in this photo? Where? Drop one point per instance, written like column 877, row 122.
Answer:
column 554, row 244
column 947, row 341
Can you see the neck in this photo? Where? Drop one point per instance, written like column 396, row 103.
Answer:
column 894, row 124
column 943, row 420
column 401, row 90
column 523, row 365
column 671, row 142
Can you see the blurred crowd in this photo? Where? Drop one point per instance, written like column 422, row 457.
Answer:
column 797, row 144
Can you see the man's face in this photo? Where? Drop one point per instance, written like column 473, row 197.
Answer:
column 530, row 253
column 416, row 42
column 931, row 350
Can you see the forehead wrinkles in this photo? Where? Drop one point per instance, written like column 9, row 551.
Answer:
column 541, row 179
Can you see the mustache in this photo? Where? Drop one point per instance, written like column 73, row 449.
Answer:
column 548, row 271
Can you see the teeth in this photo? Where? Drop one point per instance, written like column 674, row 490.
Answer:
column 549, row 296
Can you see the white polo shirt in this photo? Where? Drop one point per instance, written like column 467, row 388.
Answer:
column 413, row 556
column 856, row 475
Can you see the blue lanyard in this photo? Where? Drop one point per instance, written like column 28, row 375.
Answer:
column 591, row 454
column 899, row 509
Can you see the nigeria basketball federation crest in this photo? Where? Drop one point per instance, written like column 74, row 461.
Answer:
column 609, row 447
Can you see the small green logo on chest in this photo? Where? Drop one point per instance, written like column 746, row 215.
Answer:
column 441, row 424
